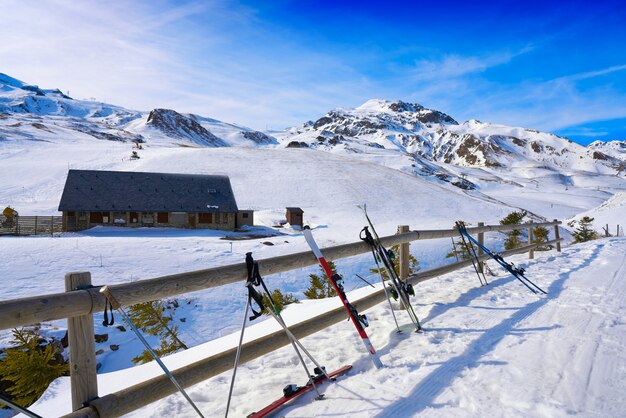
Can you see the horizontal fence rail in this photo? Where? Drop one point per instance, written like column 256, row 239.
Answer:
column 31, row 310
column 134, row 397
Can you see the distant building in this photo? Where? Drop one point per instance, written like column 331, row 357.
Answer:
column 135, row 199
column 294, row 216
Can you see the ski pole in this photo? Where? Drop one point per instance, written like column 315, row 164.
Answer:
column 118, row 307
column 232, row 380
column 18, row 408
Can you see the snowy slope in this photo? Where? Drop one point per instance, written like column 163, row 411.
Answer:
column 486, row 351
column 29, row 112
column 611, row 213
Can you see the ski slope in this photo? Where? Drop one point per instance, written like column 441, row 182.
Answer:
column 496, row 350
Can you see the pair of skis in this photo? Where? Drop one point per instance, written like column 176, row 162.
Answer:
column 291, row 391
column 517, row 272
column 399, row 289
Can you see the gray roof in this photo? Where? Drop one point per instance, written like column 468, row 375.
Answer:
column 125, row 191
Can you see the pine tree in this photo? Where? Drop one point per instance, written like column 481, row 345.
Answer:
column 150, row 318
column 321, row 287
column 280, row 300
column 540, row 234
column 584, row 231
column 513, row 237
column 29, row 367
column 459, row 251
column 414, row 266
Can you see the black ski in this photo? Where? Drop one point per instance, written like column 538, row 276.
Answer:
column 517, row 272
column 399, row 289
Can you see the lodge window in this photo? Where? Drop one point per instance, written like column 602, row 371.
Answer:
column 245, row 215
column 72, row 214
column 134, row 217
column 163, row 217
column 205, row 218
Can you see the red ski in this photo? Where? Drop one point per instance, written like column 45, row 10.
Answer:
column 359, row 321
column 292, row 393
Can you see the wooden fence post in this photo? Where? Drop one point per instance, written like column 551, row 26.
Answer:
column 556, row 236
column 531, row 252
column 81, row 342
column 404, row 254
column 35, row 225
column 481, row 241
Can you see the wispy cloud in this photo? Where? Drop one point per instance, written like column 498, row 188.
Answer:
column 454, row 66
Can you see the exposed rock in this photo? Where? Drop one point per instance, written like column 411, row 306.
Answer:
column 258, row 137
column 121, row 328
column 297, row 144
column 536, row 146
column 101, row 338
column 175, row 125
column 597, row 155
column 114, row 347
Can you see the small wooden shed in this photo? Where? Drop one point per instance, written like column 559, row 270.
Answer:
column 294, row 216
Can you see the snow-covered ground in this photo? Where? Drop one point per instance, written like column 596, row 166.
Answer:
column 495, row 350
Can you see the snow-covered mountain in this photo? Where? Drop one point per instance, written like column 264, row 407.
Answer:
column 31, row 113
column 434, row 136
column 615, row 149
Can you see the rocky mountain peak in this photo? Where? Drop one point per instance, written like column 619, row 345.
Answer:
column 178, row 126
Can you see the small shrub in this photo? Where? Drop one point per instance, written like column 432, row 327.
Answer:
column 584, row 231
column 513, row 237
column 150, row 318
column 280, row 300
column 540, row 234
column 29, row 367
column 320, row 287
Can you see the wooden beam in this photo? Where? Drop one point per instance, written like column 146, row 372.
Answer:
column 80, row 337
column 404, row 254
column 26, row 311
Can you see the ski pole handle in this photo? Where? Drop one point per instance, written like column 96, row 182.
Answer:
column 115, row 304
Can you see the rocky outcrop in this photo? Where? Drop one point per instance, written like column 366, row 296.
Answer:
column 175, row 125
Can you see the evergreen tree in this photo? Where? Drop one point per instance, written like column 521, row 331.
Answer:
column 513, row 237
column 414, row 266
column 320, row 287
column 29, row 367
column 280, row 300
column 540, row 234
column 584, row 231
column 459, row 251
column 150, row 318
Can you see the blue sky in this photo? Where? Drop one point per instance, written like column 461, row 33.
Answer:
column 553, row 66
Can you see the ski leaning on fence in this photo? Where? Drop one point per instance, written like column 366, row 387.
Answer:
column 255, row 279
column 290, row 392
column 471, row 251
column 359, row 321
column 399, row 289
column 517, row 272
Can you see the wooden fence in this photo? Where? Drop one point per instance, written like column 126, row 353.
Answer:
column 81, row 300
column 31, row 225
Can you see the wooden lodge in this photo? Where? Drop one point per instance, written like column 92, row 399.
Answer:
column 135, row 199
